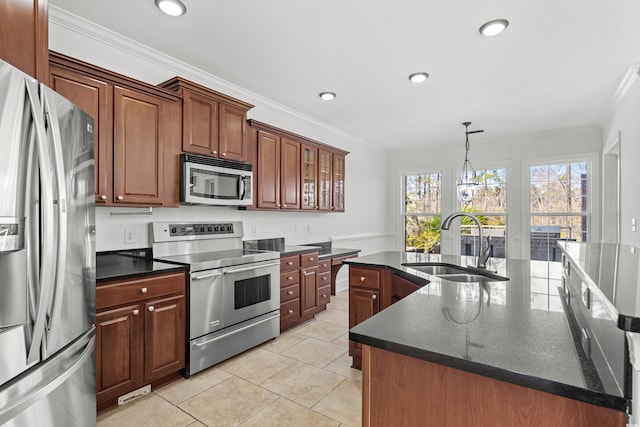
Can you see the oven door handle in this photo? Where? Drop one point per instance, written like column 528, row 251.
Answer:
column 206, row 276
column 200, row 344
column 253, row 267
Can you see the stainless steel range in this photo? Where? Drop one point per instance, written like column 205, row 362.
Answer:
column 234, row 294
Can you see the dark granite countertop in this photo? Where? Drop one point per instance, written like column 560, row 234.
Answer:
column 110, row 266
column 612, row 271
column 324, row 249
column 515, row 331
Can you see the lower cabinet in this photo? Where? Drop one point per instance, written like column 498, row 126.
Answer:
column 372, row 289
column 298, row 289
column 140, row 334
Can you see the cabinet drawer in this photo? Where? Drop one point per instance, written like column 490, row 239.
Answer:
column 124, row 292
column 289, row 293
column 364, row 277
column 324, row 295
column 289, row 278
column 309, row 260
column 325, row 265
column 290, row 263
column 324, row 279
column 290, row 311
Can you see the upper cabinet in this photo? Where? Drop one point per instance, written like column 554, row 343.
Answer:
column 293, row 172
column 25, row 36
column 137, row 128
column 213, row 124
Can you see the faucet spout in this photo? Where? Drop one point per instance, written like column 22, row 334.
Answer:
column 483, row 254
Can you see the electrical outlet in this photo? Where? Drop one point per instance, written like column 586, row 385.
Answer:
column 633, row 224
column 129, row 235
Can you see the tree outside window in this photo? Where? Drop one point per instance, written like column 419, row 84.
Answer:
column 422, row 212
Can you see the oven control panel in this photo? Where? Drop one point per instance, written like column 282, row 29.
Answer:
column 200, row 229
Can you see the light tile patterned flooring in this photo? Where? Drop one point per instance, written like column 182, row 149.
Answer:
column 302, row 378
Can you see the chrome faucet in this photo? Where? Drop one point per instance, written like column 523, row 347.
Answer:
column 483, row 254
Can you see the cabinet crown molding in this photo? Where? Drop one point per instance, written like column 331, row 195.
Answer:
column 290, row 135
column 178, row 84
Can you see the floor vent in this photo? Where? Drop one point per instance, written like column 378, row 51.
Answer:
column 133, row 395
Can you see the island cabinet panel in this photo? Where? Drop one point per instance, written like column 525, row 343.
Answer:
column 404, row 391
column 25, row 36
column 137, row 130
column 141, row 334
column 400, row 288
column 213, row 123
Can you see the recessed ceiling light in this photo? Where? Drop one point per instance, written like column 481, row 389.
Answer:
column 172, row 7
column 418, row 77
column 493, row 28
column 327, row 96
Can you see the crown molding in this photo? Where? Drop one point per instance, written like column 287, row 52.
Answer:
column 85, row 28
column 624, row 87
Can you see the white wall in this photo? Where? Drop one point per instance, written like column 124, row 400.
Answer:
column 362, row 226
column 515, row 154
column 625, row 122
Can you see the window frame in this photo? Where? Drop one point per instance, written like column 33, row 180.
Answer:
column 403, row 192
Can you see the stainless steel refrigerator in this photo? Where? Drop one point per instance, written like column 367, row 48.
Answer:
column 47, row 257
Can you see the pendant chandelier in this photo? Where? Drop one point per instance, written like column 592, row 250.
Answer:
column 467, row 183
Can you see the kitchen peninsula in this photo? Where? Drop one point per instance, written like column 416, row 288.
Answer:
column 492, row 353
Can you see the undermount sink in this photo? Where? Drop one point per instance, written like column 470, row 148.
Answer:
column 455, row 273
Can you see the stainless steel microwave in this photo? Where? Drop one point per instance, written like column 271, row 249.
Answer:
column 211, row 181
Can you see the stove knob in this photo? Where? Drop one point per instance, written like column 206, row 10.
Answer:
column 229, row 228
column 209, row 229
column 174, row 230
column 202, row 229
column 215, row 228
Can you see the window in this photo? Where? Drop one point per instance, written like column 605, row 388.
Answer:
column 558, row 205
column 490, row 207
column 422, row 212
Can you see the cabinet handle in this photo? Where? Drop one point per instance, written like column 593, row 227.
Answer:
column 324, row 278
column 362, row 278
column 290, row 292
column 324, row 295
column 144, row 290
column 277, row 205
column 151, row 308
column 290, row 311
column 215, row 151
column 103, row 197
column 136, row 312
column 324, row 265
column 374, row 296
column 310, row 259
column 120, row 198
column 290, row 278
column 284, row 206
column 290, row 263
column 224, row 154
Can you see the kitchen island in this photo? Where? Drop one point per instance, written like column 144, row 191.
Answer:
column 492, row 353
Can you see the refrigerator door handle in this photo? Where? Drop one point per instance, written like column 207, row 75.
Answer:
column 46, row 194
column 43, row 380
column 55, row 304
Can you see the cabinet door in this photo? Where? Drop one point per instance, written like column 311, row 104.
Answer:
column 363, row 303
column 95, row 97
column 25, row 36
column 338, row 182
column 233, row 145
column 200, row 121
column 164, row 337
column 290, row 174
column 309, row 291
column 268, row 179
column 118, row 351
column 324, row 180
column 138, row 169
column 309, row 171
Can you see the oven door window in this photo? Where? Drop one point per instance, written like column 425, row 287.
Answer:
column 252, row 291
column 213, row 184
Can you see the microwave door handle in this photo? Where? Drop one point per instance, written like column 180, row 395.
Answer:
column 242, row 187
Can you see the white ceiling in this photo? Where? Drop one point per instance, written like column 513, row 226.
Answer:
column 558, row 65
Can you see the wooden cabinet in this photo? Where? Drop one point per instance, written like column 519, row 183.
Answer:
column 454, row 397
column 400, row 288
column 298, row 289
column 136, row 127
column 293, row 172
column 141, row 334
column 324, row 283
column 213, row 124
column 278, row 172
column 309, row 176
column 25, row 36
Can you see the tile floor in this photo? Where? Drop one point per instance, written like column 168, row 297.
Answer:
column 302, row 378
